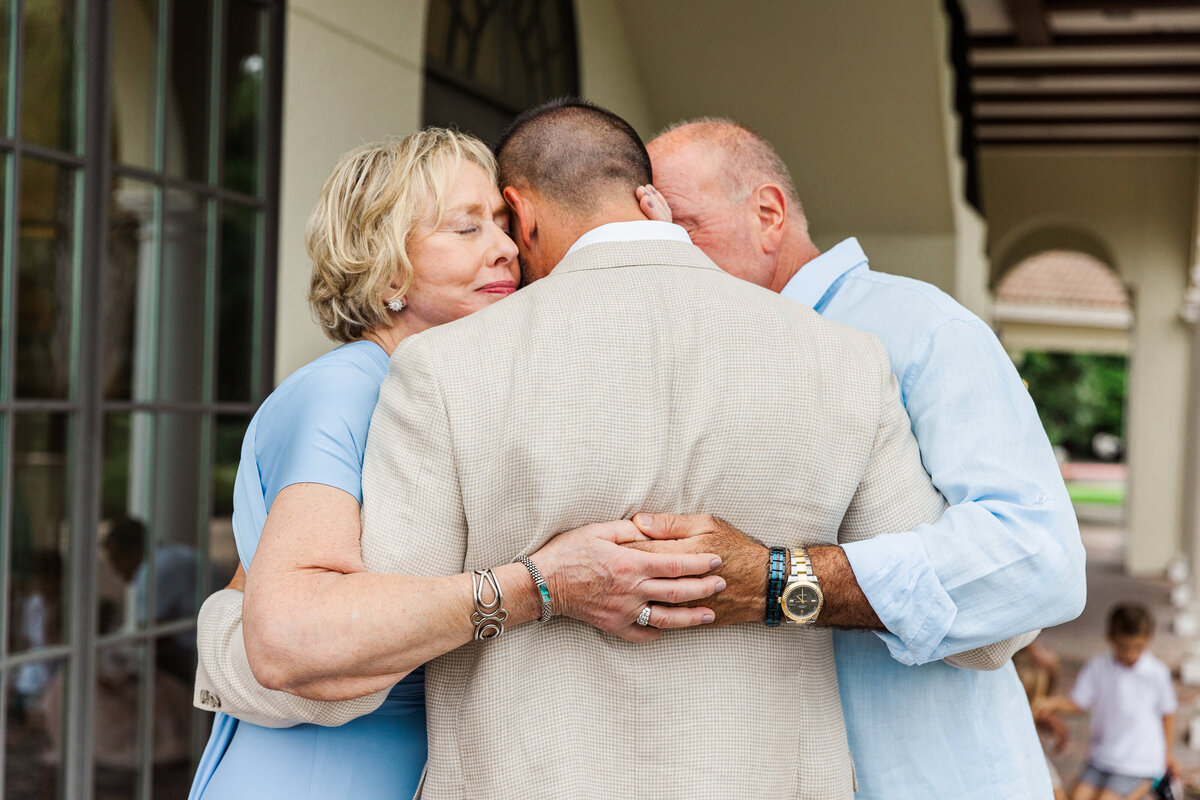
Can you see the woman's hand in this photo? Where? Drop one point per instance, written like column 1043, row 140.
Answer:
column 592, row 578
column 653, row 204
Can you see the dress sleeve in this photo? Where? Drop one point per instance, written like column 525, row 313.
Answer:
column 317, row 432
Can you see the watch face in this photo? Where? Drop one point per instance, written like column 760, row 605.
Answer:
column 802, row 602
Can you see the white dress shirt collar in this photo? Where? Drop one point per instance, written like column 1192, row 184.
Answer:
column 633, row 231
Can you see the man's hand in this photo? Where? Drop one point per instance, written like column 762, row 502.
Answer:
column 744, row 561
column 592, row 578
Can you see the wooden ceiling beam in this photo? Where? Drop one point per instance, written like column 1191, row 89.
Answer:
column 1063, row 70
column 1118, row 6
column 1081, row 97
column 1095, row 83
column 1162, row 55
column 1008, row 41
column 1101, row 132
column 1188, row 142
column 1114, row 120
column 1049, row 108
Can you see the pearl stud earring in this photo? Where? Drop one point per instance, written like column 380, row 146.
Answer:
column 396, row 304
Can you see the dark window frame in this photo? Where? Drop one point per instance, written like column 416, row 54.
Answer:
column 557, row 64
column 85, row 406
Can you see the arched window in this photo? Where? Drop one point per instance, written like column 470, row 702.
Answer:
column 487, row 60
column 1066, row 317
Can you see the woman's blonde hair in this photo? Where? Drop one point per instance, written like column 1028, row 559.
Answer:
column 359, row 231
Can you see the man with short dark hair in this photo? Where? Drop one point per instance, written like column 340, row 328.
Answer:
column 632, row 374
column 1004, row 559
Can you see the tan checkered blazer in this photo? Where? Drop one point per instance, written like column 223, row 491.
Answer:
column 636, row 377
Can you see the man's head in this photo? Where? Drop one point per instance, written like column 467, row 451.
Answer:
column 1130, row 626
column 565, row 167
column 728, row 187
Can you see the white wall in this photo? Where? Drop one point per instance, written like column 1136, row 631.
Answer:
column 608, row 71
column 1138, row 207
column 353, row 75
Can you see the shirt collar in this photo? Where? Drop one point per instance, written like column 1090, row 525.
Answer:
column 632, row 231
column 813, row 280
column 1140, row 666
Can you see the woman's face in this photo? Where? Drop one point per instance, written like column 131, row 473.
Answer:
column 468, row 261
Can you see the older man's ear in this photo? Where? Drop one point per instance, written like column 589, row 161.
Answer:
column 771, row 209
column 524, row 219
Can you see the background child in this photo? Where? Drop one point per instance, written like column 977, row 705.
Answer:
column 1132, row 702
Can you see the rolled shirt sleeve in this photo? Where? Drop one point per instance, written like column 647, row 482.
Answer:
column 1006, row 557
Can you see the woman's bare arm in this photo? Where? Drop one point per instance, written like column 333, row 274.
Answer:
column 317, row 625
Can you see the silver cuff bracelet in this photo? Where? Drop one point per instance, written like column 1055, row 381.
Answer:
column 489, row 616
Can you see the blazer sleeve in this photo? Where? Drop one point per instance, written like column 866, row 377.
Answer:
column 225, row 683
column 413, row 522
column 896, row 494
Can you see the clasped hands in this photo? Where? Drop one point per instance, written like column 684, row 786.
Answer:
column 691, row 570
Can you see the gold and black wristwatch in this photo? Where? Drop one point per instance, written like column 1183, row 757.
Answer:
column 802, row 598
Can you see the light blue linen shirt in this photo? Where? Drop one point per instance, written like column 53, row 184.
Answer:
column 1005, row 558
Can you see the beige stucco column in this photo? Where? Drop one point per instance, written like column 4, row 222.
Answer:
column 1190, row 312
column 352, row 75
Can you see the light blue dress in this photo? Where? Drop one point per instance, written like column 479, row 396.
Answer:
column 313, row 429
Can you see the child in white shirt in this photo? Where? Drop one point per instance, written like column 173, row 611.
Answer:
column 1132, row 701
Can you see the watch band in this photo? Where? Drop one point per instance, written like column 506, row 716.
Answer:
column 802, row 563
column 776, row 577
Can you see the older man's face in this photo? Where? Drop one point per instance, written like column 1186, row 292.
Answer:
column 688, row 175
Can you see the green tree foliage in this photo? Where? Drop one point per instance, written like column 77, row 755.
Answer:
column 1077, row 396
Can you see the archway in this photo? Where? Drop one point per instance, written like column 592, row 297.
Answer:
column 1066, row 318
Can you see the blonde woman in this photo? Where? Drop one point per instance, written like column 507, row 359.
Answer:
column 407, row 235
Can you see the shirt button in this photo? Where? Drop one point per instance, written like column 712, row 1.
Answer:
column 1041, row 498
